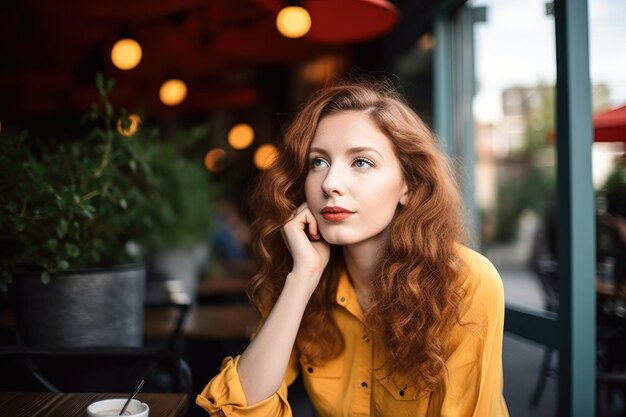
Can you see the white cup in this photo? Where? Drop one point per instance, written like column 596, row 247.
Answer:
column 110, row 408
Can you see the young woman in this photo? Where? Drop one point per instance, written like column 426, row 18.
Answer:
column 364, row 286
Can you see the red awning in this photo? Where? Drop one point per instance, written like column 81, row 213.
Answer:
column 610, row 126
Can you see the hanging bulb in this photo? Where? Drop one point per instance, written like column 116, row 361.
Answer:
column 265, row 156
column 241, row 136
column 126, row 54
column 214, row 159
column 293, row 22
column 173, row 92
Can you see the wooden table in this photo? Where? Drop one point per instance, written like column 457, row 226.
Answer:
column 51, row 404
column 222, row 286
column 203, row 322
column 220, row 323
column 223, row 291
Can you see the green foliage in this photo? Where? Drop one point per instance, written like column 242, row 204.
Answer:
column 181, row 213
column 529, row 190
column 541, row 120
column 77, row 204
column 527, row 176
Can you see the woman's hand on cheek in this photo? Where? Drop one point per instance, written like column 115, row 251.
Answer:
column 310, row 255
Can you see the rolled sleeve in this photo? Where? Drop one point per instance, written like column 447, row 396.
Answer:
column 224, row 396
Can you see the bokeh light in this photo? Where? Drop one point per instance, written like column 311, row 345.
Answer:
column 427, row 41
column 293, row 22
column 173, row 92
column 240, row 136
column 265, row 156
column 129, row 128
column 214, row 159
column 126, row 54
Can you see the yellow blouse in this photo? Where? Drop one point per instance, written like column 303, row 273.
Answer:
column 347, row 386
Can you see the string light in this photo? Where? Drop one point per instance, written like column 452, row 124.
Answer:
column 133, row 125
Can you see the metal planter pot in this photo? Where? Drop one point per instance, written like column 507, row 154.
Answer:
column 91, row 307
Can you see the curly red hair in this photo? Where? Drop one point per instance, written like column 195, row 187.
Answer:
column 417, row 296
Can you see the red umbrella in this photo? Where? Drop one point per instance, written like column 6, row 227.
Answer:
column 610, row 126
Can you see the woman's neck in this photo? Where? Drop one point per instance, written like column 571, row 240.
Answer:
column 361, row 261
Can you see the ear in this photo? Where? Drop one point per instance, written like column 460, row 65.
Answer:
column 405, row 195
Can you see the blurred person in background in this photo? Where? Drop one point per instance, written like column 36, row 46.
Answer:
column 614, row 218
column 230, row 249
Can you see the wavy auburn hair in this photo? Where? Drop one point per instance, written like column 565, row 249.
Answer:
column 416, row 297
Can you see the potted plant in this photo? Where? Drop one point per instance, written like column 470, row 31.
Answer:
column 78, row 219
column 184, row 212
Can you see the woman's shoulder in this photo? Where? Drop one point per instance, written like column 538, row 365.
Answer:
column 480, row 279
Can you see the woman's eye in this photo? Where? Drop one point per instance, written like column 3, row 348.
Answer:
column 318, row 162
column 363, row 163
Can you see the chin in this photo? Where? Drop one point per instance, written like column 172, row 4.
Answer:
column 336, row 238
column 337, row 242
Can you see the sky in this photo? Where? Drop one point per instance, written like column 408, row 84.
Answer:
column 516, row 46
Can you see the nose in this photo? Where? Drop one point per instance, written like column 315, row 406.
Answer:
column 333, row 183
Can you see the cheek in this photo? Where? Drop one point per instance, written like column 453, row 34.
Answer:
column 308, row 189
column 384, row 192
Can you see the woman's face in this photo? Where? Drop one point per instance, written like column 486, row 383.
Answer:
column 355, row 182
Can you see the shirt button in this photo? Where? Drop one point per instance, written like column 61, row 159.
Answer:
column 366, row 338
column 309, row 370
column 342, row 300
column 364, row 385
column 402, row 393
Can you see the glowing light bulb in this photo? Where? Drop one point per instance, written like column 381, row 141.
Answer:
column 126, row 54
column 293, row 22
column 265, row 156
column 131, row 128
column 173, row 92
column 241, row 136
column 214, row 159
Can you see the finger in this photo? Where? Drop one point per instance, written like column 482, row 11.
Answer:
column 297, row 211
column 312, row 224
column 298, row 221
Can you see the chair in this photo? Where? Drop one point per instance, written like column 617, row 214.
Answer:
column 158, row 319
column 93, row 369
column 547, row 271
column 610, row 338
column 611, row 363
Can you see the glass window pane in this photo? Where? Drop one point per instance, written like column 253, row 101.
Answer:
column 515, row 156
column 514, row 114
column 607, row 33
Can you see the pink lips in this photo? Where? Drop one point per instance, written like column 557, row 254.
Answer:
column 335, row 213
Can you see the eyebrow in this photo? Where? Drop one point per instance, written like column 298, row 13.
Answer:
column 357, row 149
